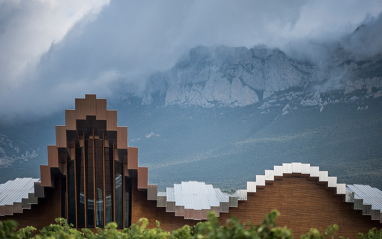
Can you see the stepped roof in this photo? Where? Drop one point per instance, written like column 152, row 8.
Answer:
column 193, row 199
column 190, row 200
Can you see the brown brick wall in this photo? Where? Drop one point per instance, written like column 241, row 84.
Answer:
column 302, row 204
column 43, row 213
column 148, row 209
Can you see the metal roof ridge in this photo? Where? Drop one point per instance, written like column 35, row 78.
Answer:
column 270, row 175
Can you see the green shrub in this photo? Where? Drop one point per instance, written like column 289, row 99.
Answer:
column 59, row 230
column 371, row 234
column 315, row 234
column 211, row 229
column 235, row 229
column 8, row 230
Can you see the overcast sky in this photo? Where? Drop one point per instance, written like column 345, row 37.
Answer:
column 52, row 51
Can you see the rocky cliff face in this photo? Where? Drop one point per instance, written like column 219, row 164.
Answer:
column 11, row 152
column 238, row 76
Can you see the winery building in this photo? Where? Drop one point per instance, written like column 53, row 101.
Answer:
column 93, row 177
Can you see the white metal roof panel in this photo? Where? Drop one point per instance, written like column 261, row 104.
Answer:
column 195, row 195
column 371, row 196
column 170, row 195
column 221, row 196
column 15, row 190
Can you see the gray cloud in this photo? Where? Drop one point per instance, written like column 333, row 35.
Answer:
column 128, row 40
column 366, row 40
column 29, row 27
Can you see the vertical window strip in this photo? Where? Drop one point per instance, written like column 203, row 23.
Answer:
column 67, row 192
column 80, row 187
column 113, row 182
column 99, row 183
column 75, row 186
column 94, row 184
column 90, row 183
column 118, row 194
column 123, row 195
column 104, row 180
column 127, row 202
column 63, row 195
column 85, row 180
column 109, row 184
column 71, row 192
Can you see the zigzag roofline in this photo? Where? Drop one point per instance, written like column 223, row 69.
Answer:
column 286, row 170
column 90, row 106
column 171, row 205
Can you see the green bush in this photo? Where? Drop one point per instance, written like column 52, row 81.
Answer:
column 211, row 229
column 8, row 230
column 315, row 234
column 371, row 234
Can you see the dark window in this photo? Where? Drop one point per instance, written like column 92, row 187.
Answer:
column 99, row 182
column 118, row 194
column 109, row 184
column 89, row 183
column 94, row 186
column 71, row 193
column 127, row 202
column 80, row 187
column 63, row 197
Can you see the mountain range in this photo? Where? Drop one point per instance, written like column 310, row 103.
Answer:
column 238, row 76
column 224, row 114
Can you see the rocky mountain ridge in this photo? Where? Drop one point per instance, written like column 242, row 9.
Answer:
column 238, row 76
column 11, row 151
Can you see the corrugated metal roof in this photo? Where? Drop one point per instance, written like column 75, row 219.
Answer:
column 198, row 196
column 193, row 199
column 195, row 195
column 371, row 196
column 15, row 190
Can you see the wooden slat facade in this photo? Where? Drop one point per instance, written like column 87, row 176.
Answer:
column 101, row 109
column 111, row 117
column 70, row 119
column 52, row 156
column 122, row 137
column 132, row 158
column 142, row 178
column 61, row 137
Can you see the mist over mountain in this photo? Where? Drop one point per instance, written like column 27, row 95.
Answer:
column 67, row 49
column 237, row 111
column 223, row 114
column 238, row 76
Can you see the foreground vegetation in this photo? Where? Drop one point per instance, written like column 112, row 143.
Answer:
column 204, row 230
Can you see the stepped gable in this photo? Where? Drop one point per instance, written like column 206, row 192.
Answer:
column 116, row 135
column 88, row 109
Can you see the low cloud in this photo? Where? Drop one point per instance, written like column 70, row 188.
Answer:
column 29, row 27
column 366, row 40
column 53, row 54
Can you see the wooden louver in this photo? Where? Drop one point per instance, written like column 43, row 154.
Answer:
column 93, row 130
